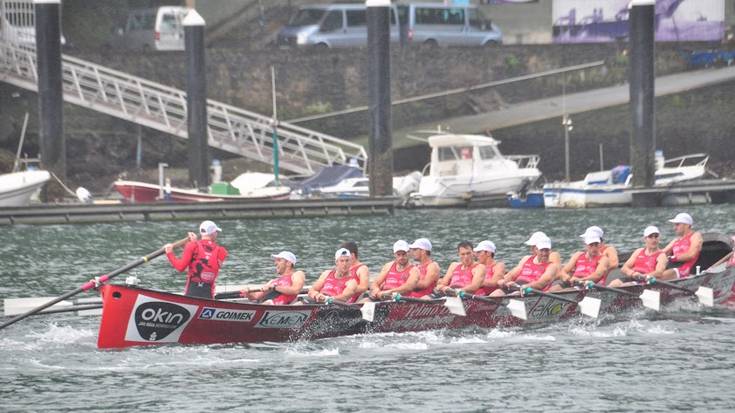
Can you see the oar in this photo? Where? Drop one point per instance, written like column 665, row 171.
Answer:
column 705, row 295
column 453, row 304
column 588, row 306
column 70, row 309
column 243, row 293
column 517, row 307
column 650, row 299
column 96, row 282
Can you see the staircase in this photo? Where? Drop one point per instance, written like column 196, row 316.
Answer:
column 231, row 129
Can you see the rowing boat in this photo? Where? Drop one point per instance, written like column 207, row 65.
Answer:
column 134, row 316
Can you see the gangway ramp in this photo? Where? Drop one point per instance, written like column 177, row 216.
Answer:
column 157, row 106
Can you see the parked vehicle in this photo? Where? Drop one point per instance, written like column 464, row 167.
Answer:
column 436, row 24
column 152, row 29
column 331, row 25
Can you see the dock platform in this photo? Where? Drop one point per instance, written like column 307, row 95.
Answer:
column 701, row 191
column 95, row 213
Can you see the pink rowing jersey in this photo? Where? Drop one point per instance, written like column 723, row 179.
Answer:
column 334, row 286
column 532, row 272
column 395, row 278
column 681, row 246
column 286, row 281
column 461, row 277
column 488, row 276
column 587, row 265
column 644, row 263
column 423, row 269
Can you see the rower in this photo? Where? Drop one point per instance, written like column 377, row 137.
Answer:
column 428, row 269
column 605, row 249
column 357, row 268
column 203, row 258
column 684, row 251
column 535, row 271
column 398, row 276
column 284, row 289
column 649, row 261
column 554, row 256
column 465, row 275
column 338, row 283
column 583, row 266
column 494, row 270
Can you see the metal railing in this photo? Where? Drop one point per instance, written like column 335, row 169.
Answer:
column 163, row 108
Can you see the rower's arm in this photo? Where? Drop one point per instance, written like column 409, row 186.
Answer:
column 448, row 276
column 364, row 275
column 317, row 286
column 628, row 266
column 661, row 262
column 513, row 274
column 612, row 257
column 478, row 276
column 602, row 266
column 380, row 279
column 297, row 283
column 183, row 263
column 568, row 269
column 546, row 277
column 695, row 247
column 498, row 274
column 350, row 290
column 410, row 283
column 432, row 275
column 668, row 248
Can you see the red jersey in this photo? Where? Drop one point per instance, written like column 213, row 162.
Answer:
column 395, row 278
column 532, row 272
column 287, row 281
column 422, row 275
column 644, row 263
column 334, row 286
column 461, row 277
column 587, row 265
column 681, row 246
column 488, row 276
column 203, row 259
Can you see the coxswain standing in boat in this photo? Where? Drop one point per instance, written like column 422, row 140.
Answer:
column 337, row 283
column 605, row 249
column 428, row 269
column 584, row 266
column 202, row 257
column 536, row 271
column 494, row 270
column 683, row 252
column 284, row 289
column 398, row 276
column 649, row 261
column 357, row 269
column 465, row 275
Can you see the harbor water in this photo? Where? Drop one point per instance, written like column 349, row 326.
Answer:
column 676, row 360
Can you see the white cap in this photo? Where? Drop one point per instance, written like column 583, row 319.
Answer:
column 286, row 255
column 543, row 242
column 534, row 237
column 650, row 230
column 342, row 252
column 486, row 245
column 593, row 230
column 208, row 228
column 400, row 245
column 422, row 244
column 591, row 238
column 682, row 218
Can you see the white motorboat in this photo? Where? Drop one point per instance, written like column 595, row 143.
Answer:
column 465, row 168
column 359, row 187
column 610, row 188
column 17, row 188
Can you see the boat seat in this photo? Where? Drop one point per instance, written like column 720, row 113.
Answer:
column 715, row 247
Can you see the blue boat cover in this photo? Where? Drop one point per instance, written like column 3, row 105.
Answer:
column 328, row 176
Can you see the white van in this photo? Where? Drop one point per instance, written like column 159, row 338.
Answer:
column 158, row 28
column 434, row 24
column 331, row 25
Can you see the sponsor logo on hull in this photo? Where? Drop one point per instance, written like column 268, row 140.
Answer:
column 222, row 314
column 283, row 319
column 158, row 321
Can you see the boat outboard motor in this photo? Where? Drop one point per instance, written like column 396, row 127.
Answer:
column 84, row 196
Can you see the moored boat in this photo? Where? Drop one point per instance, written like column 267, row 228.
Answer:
column 17, row 188
column 137, row 317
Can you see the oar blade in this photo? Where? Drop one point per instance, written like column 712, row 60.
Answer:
column 455, row 306
column 518, row 309
column 590, row 306
column 368, row 311
column 706, row 296
column 651, row 299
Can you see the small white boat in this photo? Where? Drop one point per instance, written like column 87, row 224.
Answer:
column 464, row 168
column 359, row 187
column 17, row 188
column 609, row 188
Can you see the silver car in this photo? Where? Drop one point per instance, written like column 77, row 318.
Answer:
column 435, row 24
